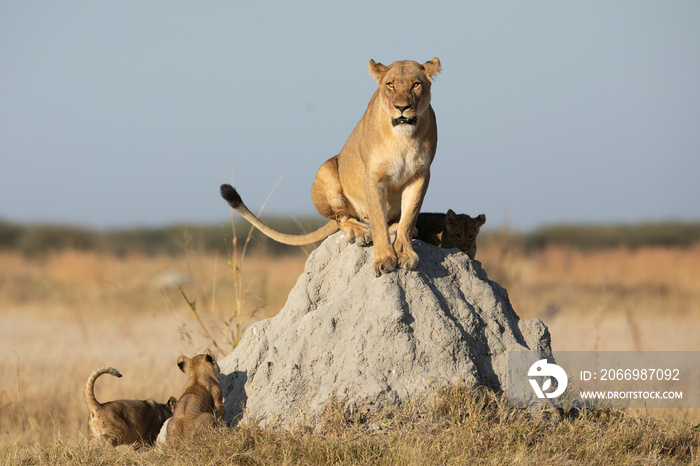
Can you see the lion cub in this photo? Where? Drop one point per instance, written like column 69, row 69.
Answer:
column 124, row 421
column 202, row 402
column 450, row 230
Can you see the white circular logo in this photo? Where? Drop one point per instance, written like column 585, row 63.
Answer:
column 544, row 369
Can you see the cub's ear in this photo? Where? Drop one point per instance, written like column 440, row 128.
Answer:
column 209, row 357
column 450, row 219
column 482, row 219
column 183, row 363
column 377, row 70
column 432, row 68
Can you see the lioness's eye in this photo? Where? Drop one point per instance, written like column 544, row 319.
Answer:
column 416, row 85
column 390, row 85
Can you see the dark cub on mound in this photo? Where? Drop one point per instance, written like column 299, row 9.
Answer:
column 450, row 230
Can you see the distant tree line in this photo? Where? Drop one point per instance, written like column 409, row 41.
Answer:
column 40, row 239
column 678, row 234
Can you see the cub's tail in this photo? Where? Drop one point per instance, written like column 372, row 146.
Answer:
column 93, row 404
column 231, row 196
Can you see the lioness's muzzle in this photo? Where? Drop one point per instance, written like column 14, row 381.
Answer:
column 404, row 121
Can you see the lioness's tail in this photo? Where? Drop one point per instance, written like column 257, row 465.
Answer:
column 93, row 404
column 231, row 196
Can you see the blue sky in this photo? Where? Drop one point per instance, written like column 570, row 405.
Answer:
column 133, row 113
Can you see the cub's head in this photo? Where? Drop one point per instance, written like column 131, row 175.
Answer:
column 202, row 365
column 404, row 90
column 460, row 232
column 170, row 404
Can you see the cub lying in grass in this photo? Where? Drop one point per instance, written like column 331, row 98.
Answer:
column 122, row 422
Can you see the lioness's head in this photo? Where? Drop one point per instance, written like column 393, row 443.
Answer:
column 461, row 231
column 404, row 90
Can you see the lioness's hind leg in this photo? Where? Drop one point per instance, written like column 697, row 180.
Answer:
column 326, row 192
column 356, row 231
column 393, row 228
column 327, row 195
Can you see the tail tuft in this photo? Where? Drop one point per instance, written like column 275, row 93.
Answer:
column 231, row 196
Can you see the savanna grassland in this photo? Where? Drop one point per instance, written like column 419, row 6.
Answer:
column 68, row 310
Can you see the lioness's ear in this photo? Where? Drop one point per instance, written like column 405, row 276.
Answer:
column 377, row 70
column 482, row 219
column 432, row 68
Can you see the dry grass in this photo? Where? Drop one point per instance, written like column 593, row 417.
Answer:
column 614, row 299
column 70, row 312
column 462, row 426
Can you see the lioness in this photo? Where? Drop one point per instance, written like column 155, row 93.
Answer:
column 202, row 402
column 381, row 174
column 121, row 422
column 450, row 230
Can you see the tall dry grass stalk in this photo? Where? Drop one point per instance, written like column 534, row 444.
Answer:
column 230, row 328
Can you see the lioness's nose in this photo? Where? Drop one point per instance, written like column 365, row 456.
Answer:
column 401, row 108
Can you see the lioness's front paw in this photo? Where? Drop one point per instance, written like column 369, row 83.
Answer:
column 383, row 265
column 408, row 260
